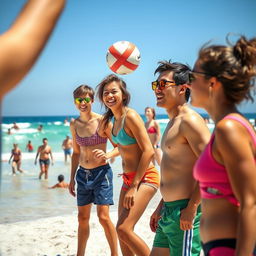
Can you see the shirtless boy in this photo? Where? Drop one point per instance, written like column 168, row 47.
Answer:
column 44, row 152
column 176, row 219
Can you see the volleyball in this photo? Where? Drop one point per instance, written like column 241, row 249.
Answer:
column 123, row 57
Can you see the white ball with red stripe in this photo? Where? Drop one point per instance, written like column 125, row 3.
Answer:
column 123, row 57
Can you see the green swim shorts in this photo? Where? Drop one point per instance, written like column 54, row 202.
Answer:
column 169, row 235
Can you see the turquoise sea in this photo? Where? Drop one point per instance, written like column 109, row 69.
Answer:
column 23, row 197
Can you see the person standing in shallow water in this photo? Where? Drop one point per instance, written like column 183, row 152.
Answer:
column 67, row 148
column 44, row 152
column 222, row 77
column 140, row 178
column 90, row 170
column 154, row 133
column 16, row 159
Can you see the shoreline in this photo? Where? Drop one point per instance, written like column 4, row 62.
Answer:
column 58, row 236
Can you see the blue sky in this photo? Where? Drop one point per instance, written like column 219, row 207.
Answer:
column 76, row 51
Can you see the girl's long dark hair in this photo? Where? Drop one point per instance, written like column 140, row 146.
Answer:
column 100, row 89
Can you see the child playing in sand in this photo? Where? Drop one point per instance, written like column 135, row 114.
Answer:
column 61, row 183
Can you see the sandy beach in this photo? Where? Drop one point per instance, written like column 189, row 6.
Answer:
column 58, row 236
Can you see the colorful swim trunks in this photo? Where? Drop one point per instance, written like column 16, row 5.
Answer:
column 150, row 178
column 169, row 235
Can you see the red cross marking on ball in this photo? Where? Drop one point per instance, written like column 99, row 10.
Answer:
column 122, row 59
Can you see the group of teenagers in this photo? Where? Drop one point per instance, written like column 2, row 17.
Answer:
column 207, row 181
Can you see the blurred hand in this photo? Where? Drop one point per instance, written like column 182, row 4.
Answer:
column 155, row 217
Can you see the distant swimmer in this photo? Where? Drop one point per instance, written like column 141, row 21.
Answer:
column 61, row 183
column 67, row 147
column 40, row 128
column 15, row 126
column 44, row 152
column 16, row 159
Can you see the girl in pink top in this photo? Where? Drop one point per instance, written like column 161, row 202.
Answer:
column 222, row 78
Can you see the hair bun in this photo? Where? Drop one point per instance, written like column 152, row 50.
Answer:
column 245, row 51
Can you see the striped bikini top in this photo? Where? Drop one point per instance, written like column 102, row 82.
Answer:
column 93, row 140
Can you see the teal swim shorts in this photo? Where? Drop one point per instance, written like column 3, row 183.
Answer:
column 169, row 235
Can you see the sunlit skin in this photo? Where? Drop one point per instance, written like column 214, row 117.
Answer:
column 182, row 142
column 16, row 159
column 221, row 219
column 44, row 152
column 135, row 157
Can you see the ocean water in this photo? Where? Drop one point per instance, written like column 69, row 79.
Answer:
column 23, row 197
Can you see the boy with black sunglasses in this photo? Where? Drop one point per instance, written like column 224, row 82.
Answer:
column 177, row 217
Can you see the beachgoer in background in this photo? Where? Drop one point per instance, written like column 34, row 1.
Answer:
column 16, row 159
column 90, row 170
column 9, row 131
column 154, row 133
column 29, row 146
column 61, row 183
column 25, row 40
column 67, row 147
column 140, row 178
column 40, row 128
column 66, row 121
column 44, row 152
column 15, row 126
column 221, row 79
column 177, row 217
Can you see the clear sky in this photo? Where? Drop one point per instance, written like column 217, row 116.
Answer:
column 76, row 51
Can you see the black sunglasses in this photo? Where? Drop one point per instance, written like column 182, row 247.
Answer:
column 162, row 84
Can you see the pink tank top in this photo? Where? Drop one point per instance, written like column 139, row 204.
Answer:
column 212, row 176
column 93, row 140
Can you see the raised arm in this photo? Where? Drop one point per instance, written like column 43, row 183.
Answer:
column 23, row 42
